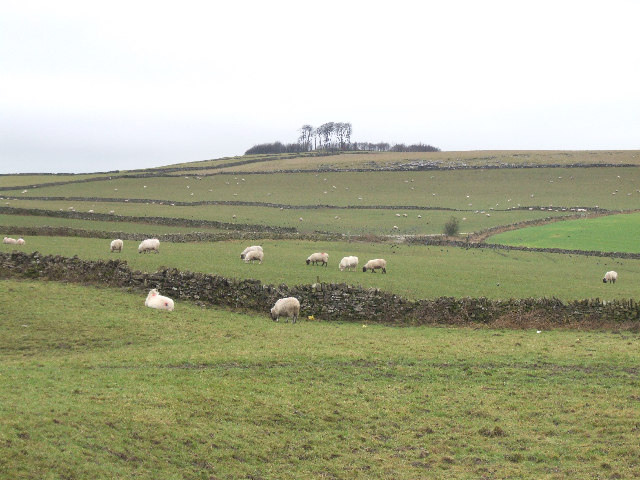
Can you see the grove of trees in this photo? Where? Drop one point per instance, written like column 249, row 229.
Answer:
column 333, row 136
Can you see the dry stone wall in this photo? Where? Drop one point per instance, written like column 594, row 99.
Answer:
column 331, row 302
column 181, row 222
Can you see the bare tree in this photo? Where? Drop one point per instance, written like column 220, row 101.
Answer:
column 347, row 133
column 325, row 131
column 305, row 137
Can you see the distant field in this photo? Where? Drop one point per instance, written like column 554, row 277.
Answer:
column 95, row 385
column 216, row 163
column 371, row 160
column 610, row 188
column 414, row 272
column 129, row 227
column 348, row 221
column 30, row 181
column 611, row 233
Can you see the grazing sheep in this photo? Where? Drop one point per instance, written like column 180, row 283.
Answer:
column 149, row 245
column 20, row 241
column 610, row 277
column 10, row 241
column 155, row 300
column 348, row 263
column 116, row 245
column 375, row 264
column 248, row 249
column 318, row 257
column 254, row 255
column 286, row 307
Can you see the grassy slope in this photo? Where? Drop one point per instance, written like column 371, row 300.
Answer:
column 413, row 271
column 468, row 191
column 30, row 181
column 612, row 233
column 371, row 160
column 348, row 221
column 500, row 188
column 129, row 227
column 131, row 392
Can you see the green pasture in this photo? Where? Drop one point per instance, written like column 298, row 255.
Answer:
column 414, row 272
column 95, row 385
column 343, row 221
column 469, row 190
column 105, row 226
column 611, row 233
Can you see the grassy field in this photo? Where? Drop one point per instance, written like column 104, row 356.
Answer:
column 129, row 227
column 31, row 181
column 130, row 392
column 611, row 188
column 611, row 233
column 414, row 272
column 95, row 385
column 483, row 198
column 371, row 160
column 344, row 221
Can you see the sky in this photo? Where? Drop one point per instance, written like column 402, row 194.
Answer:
column 97, row 86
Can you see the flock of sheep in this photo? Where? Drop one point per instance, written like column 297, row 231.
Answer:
column 284, row 307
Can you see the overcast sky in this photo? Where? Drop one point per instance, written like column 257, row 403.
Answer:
column 92, row 86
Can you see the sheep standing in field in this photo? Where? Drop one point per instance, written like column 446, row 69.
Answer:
column 374, row 264
column 610, row 277
column 254, row 255
column 248, row 249
column 318, row 257
column 116, row 245
column 10, row 241
column 149, row 245
column 348, row 263
column 286, row 307
column 155, row 300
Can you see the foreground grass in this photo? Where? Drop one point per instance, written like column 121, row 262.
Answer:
column 415, row 272
column 94, row 385
column 612, row 233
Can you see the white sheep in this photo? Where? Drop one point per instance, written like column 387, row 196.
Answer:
column 155, row 300
column 374, row 264
column 149, row 245
column 286, row 307
column 318, row 257
column 610, row 277
column 116, row 245
column 10, row 241
column 348, row 263
column 254, row 255
column 248, row 249
column 20, row 241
